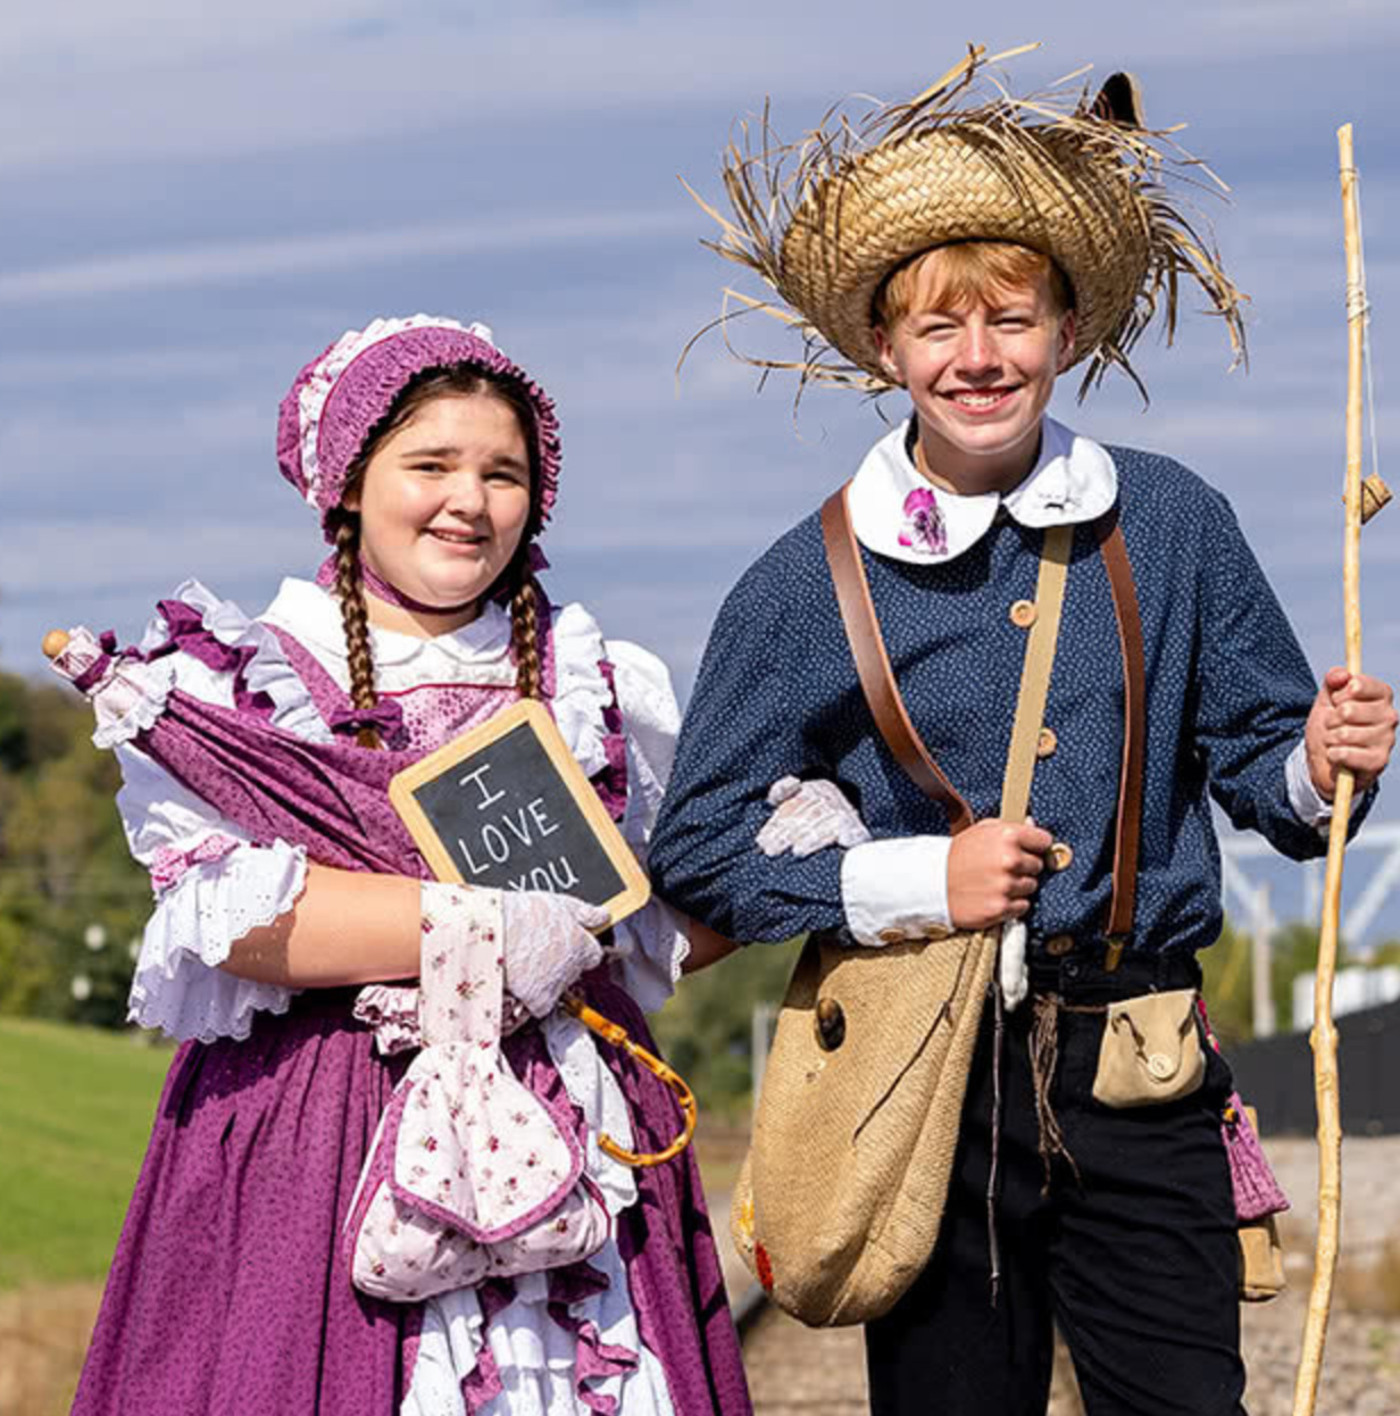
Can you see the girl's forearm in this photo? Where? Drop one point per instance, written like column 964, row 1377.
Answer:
column 706, row 947
column 348, row 928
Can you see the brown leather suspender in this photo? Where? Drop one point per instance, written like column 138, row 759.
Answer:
column 873, row 664
column 900, row 736
column 1129, row 831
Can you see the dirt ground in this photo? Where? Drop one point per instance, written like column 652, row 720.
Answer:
column 794, row 1370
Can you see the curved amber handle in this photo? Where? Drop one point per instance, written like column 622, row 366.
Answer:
column 614, row 1033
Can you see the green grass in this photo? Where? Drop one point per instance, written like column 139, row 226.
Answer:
column 75, row 1112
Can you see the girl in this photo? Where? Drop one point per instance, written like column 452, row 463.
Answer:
column 255, row 753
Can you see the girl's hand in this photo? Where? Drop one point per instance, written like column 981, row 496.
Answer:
column 993, row 870
column 548, row 945
column 1352, row 724
column 807, row 817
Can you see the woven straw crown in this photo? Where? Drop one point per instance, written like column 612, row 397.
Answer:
column 826, row 220
column 941, row 187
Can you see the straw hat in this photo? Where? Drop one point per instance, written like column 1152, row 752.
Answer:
column 825, row 221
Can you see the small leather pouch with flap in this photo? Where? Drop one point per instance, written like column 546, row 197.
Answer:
column 1151, row 1050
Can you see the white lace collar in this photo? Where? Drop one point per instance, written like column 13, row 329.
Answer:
column 896, row 512
column 478, row 652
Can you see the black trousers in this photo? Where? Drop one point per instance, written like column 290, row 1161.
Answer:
column 1136, row 1258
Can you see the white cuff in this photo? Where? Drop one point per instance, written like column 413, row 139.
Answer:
column 896, row 889
column 1309, row 805
column 178, row 986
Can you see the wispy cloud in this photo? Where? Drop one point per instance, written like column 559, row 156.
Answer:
column 220, row 263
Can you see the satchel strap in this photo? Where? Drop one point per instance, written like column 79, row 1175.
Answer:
column 892, row 718
column 1035, row 672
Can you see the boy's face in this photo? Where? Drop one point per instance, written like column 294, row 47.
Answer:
column 980, row 376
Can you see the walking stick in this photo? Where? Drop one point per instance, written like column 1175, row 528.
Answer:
column 1360, row 505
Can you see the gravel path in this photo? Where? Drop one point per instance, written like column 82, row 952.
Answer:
column 795, row 1370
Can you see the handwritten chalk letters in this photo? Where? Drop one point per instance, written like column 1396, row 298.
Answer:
column 506, row 805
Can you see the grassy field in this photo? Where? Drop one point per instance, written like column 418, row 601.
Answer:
column 75, row 1112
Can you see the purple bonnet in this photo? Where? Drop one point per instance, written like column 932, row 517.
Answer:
column 339, row 397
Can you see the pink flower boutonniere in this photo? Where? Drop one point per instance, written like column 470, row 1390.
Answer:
column 923, row 528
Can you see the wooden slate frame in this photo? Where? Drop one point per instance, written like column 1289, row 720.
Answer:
column 535, row 716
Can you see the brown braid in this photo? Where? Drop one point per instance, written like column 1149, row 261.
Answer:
column 524, row 629
column 350, row 591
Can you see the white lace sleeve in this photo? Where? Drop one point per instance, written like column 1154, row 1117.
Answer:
column 212, row 886
column 651, row 944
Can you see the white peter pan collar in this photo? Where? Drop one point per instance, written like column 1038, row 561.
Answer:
column 897, row 512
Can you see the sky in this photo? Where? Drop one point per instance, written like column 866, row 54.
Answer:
column 195, row 200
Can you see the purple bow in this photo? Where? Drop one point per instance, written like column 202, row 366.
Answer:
column 386, row 718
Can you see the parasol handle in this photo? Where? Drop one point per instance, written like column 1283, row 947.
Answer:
column 616, row 1034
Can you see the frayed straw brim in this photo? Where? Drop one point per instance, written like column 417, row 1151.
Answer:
column 825, row 221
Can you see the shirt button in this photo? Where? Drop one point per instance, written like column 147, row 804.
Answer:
column 1046, row 743
column 1023, row 614
column 891, row 936
column 1059, row 944
column 1059, row 856
column 937, row 931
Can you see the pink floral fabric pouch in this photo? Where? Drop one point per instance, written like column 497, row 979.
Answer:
column 469, row 1175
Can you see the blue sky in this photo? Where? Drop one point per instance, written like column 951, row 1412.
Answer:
column 194, row 203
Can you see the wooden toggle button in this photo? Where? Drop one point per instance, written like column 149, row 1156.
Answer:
column 831, row 1024
column 1059, row 856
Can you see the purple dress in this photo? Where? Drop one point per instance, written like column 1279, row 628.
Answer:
column 229, row 1291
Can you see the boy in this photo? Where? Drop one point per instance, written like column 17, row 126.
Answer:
column 1119, row 1224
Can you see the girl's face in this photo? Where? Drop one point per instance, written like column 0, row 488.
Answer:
column 444, row 502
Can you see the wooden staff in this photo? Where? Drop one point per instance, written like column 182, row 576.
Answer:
column 1324, row 1033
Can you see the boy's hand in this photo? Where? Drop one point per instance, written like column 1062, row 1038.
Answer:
column 993, row 870
column 1352, row 724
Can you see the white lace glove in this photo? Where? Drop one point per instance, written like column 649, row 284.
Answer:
column 808, row 817
column 547, row 945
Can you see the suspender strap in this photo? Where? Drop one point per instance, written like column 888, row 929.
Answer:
column 873, row 664
column 1129, row 831
column 892, row 719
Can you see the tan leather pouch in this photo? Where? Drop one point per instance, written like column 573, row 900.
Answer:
column 1261, row 1251
column 1151, row 1050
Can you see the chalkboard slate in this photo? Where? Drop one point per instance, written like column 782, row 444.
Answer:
column 507, row 806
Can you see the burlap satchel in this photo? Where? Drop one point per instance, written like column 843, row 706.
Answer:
column 858, row 1123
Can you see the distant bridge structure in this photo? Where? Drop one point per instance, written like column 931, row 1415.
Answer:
column 1246, row 884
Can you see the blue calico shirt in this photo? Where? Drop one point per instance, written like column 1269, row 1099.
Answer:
column 1228, row 694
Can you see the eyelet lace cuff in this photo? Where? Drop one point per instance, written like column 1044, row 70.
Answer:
column 178, row 986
